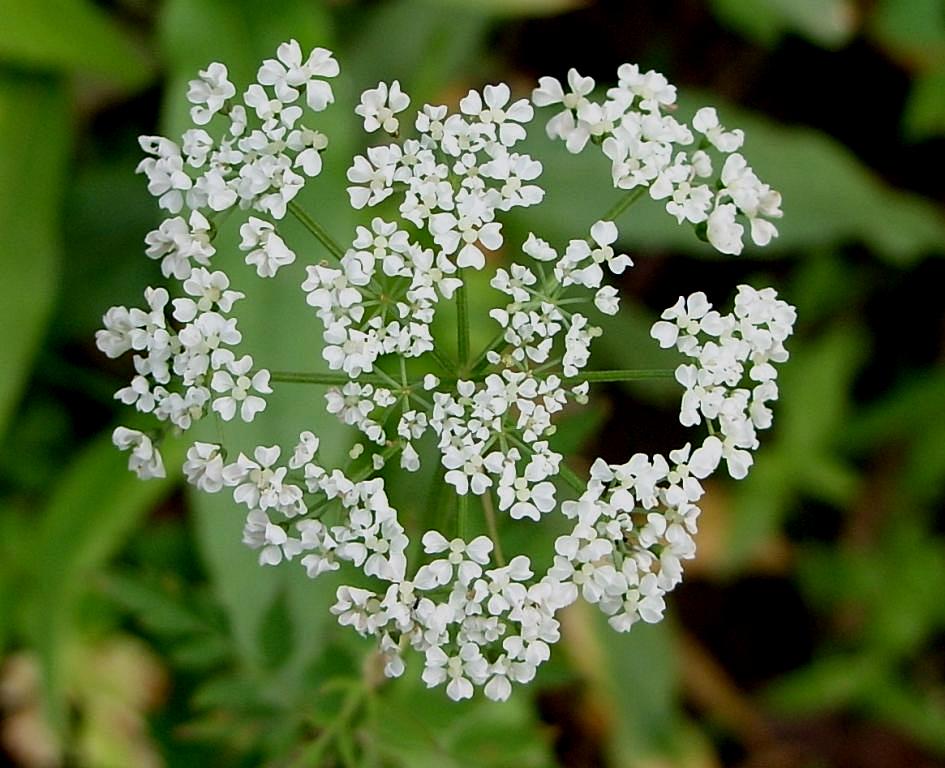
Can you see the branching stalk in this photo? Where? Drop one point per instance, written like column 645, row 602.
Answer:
column 320, row 233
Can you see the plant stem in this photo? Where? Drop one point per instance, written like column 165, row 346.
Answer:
column 624, row 203
column 441, row 361
column 462, row 512
column 321, row 234
column 488, row 509
column 312, row 756
column 571, row 478
column 383, row 380
column 462, row 322
column 564, row 471
column 480, row 363
column 641, row 374
column 328, row 379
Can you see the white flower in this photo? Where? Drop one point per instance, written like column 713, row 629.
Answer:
column 209, row 93
column 707, row 123
column 379, row 106
column 493, row 108
column 204, row 467
column 288, row 72
column 145, row 460
column 267, row 251
column 176, row 242
column 236, row 386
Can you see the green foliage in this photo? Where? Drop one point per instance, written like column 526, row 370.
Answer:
column 70, row 36
column 827, row 22
column 94, row 508
column 31, row 179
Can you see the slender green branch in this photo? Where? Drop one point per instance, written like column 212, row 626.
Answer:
column 328, row 379
column 462, row 512
column 571, row 478
column 488, row 509
column 384, row 380
column 642, row 374
column 480, row 363
column 624, row 203
column 564, row 471
column 321, row 234
column 441, row 361
column 462, row 322
column 311, row 756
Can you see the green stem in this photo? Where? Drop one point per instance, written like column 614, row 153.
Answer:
column 328, row 379
column 642, row 374
column 571, row 478
column 441, row 361
column 321, row 234
column 564, row 471
column 311, row 757
column 488, row 509
column 462, row 322
column 462, row 512
column 481, row 362
column 624, row 203
column 384, row 380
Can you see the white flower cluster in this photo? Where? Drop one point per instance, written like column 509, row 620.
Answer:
column 257, row 157
column 642, row 143
column 486, row 417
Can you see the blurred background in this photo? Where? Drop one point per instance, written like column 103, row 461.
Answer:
column 136, row 630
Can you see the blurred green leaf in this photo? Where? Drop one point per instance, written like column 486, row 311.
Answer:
column 34, row 148
column 802, row 457
column 913, row 29
column 925, row 112
column 829, row 23
column 106, row 252
column 95, row 506
column 576, row 426
column 416, row 730
column 424, row 44
column 276, row 638
column 516, row 8
column 826, row 684
column 155, row 607
column 74, row 36
column 919, row 713
column 911, row 420
column 642, row 676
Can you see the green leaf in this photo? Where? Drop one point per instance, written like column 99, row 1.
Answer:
column 516, row 8
column 925, row 112
column 642, row 676
column 71, row 36
column 154, row 607
column 913, row 29
column 91, row 512
column 829, row 23
column 826, row 684
column 809, row 421
column 417, row 730
column 276, row 639
column 423, row 44
column 34, row 149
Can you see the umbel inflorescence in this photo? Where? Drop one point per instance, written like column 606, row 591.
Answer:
column 477, row 617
